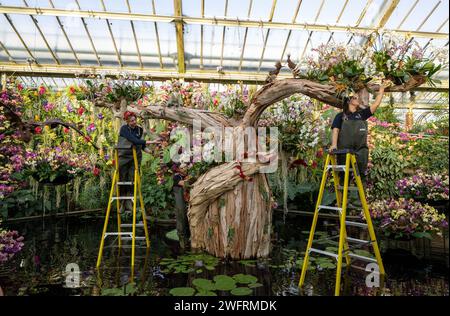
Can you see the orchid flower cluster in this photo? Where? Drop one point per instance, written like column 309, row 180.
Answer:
column 47, row 164
column 191, row 94
column 406, row 218
column 10, row 244
column 11, row 147
column 421, row 185
column 352, row 67
column 232, row 102
column 301, row 125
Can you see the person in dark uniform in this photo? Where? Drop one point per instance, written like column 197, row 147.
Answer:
column 130, row 134
column 180, row 181
column 349, row 131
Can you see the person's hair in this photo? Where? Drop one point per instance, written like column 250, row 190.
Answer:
column 128, row 114
column 345, row 105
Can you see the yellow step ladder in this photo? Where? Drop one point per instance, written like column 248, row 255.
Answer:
column 125, row 235
column 341, row 198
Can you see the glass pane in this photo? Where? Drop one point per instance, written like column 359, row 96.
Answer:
column 192, row 8
column 238, row 9
column 141, row 6
column 351, row 13
column 214, row 8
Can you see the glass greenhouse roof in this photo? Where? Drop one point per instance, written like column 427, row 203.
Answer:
column 223, row 40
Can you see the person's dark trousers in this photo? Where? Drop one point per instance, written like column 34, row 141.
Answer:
column 181, row 216
column 126, row 174
column 361, row 164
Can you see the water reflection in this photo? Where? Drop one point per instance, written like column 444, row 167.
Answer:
column 41, row 267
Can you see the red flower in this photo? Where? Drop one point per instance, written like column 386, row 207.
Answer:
column 66, row 130
column 314, row 164
column 72, row 90
column 38, row 130
column 87, row 138
column 319, row 153
column 19, row 87
column 299, row 162
column 96, row 171
column 80, row 111
column 42, row 90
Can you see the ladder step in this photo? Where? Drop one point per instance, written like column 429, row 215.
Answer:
column 352, row 188
column 122, row 198
column 125, row 183
column 361, row 241
column 130, row 238
column 334, row 208
column 350, row 254
column 354, row 255
column 338, row 168
column 119, row 234
column 356, row 224
column 131, row 225
column 322, row 252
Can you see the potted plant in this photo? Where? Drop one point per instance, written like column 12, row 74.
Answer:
column 57, row 165
column 406, row 219
column 429, row 188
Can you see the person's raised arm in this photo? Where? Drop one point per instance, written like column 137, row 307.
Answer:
column 379, row 97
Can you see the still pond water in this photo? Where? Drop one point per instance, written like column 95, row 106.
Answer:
column 40, row 269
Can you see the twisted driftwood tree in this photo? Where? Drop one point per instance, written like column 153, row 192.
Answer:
column 228, row 215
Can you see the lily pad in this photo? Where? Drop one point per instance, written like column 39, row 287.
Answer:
column 224, row 283
column 205, row 293
column 240, row 291
column 112, row 292
column 245, row 278
column 173, row 235
column 248, row 263
column 182, row 291
column 364, row 253
column 203, row 284
column 254, row 285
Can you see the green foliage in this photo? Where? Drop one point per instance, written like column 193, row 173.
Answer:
column 173, row 235
column 156, row 196
column 387, row 114
column 127, row 290
column 93, row 195
column 245, row 278
column 182, row 291
column 387, row 169
column 189, row 263
column 205, row 287
column 241, row 291
column 431, row 155
column 20, row 203
column 204, row 284
column 224, row 283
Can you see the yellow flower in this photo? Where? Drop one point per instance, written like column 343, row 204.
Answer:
column 36, row 117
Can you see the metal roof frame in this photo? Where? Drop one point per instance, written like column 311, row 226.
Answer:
column 203, row 73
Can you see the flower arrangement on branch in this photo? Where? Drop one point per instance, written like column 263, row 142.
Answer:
column 406, row 218
column 351, row 68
